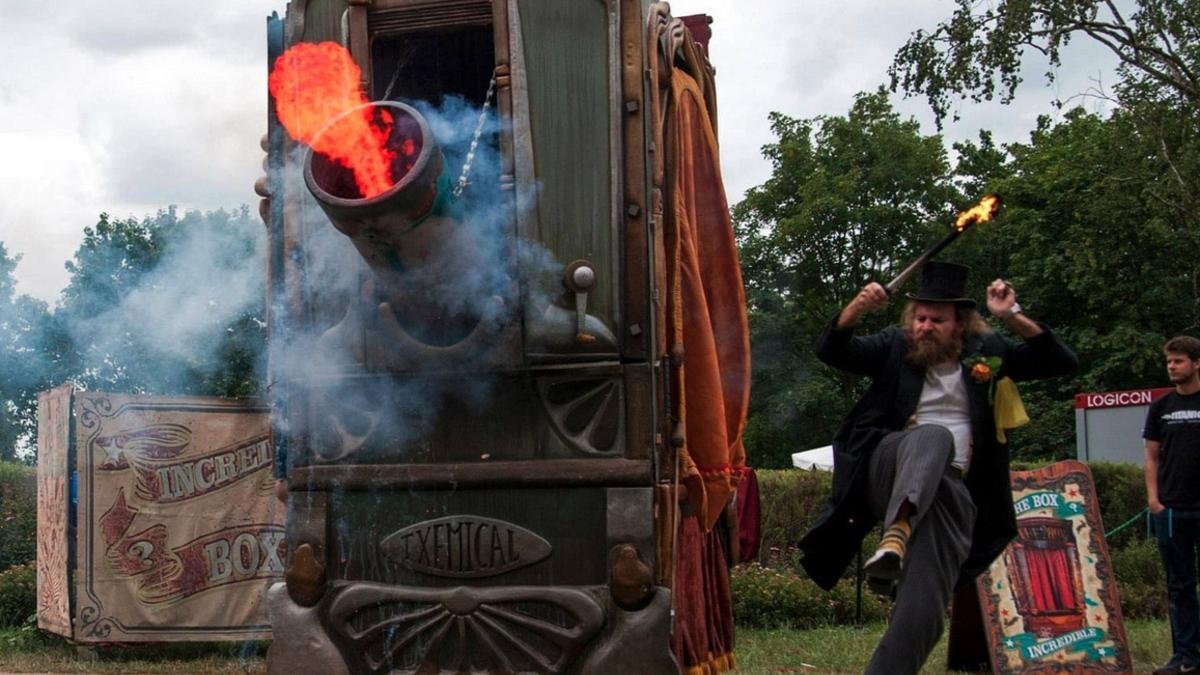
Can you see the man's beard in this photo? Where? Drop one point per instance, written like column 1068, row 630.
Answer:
column 930, row 352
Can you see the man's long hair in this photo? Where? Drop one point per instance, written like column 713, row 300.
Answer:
column 925, row 355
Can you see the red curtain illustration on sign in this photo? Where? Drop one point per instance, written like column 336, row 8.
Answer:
column 1050, row 582
column 1043, row 568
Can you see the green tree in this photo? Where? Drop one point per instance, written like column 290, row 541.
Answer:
column 977, row 53
column 167, row 305
column 849, row 200
column 24, row 364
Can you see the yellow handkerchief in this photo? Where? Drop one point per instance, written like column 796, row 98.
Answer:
column 1010, row 412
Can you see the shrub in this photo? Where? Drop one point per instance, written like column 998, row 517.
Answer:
column 18, row 594
column 791, row 501
column 792, row 498
column 18, row 514
column 1121, row 489
column 1141, row 581
column 766, row 597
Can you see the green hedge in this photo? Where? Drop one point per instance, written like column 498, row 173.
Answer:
column 776, row 591
column 18, row 514
column 766, row 597
column 18, row 594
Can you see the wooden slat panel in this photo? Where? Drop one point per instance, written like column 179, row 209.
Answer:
column 429, row 16
column 566, row 59
column 53, row 548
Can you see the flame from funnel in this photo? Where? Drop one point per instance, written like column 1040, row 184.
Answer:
column 313, row 84
column 980, row 213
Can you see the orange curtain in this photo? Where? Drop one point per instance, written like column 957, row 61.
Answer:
column 706, row 305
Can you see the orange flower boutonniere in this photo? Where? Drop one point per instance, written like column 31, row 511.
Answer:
column 983, row 369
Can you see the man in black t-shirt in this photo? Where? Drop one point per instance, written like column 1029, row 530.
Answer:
column 1172, row 436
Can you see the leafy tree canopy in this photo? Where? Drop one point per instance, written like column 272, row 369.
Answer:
column 977, row 53
column 167, row 305
column 24, row 362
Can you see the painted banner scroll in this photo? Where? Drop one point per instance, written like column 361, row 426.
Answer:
column 176, row 532
column 1050, row 601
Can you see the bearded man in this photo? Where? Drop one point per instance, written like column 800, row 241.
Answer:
column 920, row 450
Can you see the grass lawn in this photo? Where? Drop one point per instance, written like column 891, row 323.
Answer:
column 847, row 650
column 23, row 651
column 780, row 650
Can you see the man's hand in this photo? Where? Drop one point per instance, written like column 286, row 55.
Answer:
column 1000, row 298
column 871, row 298
column 1156, row 506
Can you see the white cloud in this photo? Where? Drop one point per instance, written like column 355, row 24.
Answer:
column 126, row 106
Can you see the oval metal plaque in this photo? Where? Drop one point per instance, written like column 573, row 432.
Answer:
column 465, row 546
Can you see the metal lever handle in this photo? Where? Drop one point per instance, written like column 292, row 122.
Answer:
column 580, row 277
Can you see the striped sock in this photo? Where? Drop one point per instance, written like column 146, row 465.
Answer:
column 895, row 538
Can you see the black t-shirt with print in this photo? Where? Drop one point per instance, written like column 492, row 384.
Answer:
column 1174, row 421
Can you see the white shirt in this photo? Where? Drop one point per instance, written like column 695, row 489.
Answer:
column 944, row 402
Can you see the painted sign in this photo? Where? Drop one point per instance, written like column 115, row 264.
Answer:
column 1050, row 601
column 176, row 531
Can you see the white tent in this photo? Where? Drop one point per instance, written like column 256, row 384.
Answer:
column 817, row 458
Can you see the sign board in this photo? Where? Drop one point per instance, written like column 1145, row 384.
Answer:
column 157, row 520
column 1050, row 601
column 1108, row 424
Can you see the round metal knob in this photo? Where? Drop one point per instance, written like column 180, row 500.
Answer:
column 584, row 277
column 579, row 276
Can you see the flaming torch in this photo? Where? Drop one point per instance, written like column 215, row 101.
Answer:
column 982, row 212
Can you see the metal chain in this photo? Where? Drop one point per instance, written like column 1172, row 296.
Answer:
column 387, row 93
column 466, row 169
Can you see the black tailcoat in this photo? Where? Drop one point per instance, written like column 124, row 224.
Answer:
column 892, row 399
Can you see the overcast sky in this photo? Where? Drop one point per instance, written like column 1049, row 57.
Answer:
column 126, row 107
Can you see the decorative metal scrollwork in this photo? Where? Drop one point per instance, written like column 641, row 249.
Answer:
column 585, row 411
column 510, row 629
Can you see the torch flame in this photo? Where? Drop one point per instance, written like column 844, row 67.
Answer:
column 314, row 83
column 980, row 213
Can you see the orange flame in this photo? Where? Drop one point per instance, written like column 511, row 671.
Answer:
column 980, row 213
column 314, row 83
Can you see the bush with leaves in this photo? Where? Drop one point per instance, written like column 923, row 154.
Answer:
column 767, row 597
column 18, row 594
column 1141, row 581
column 791, row 500
column 18, row 514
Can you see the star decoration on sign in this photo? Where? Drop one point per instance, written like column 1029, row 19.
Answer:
column 113, row 453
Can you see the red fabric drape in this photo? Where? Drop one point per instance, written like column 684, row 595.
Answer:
column 706, row 324
column 706, row 305
column 702, row 639
column 749, row 512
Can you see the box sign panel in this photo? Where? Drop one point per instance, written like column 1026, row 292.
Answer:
column 1050, row 601
column 177, row 533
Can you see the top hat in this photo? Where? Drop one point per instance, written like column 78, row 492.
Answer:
column 943, row 282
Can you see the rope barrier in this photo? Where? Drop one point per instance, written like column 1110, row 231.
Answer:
column 1127, row 523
